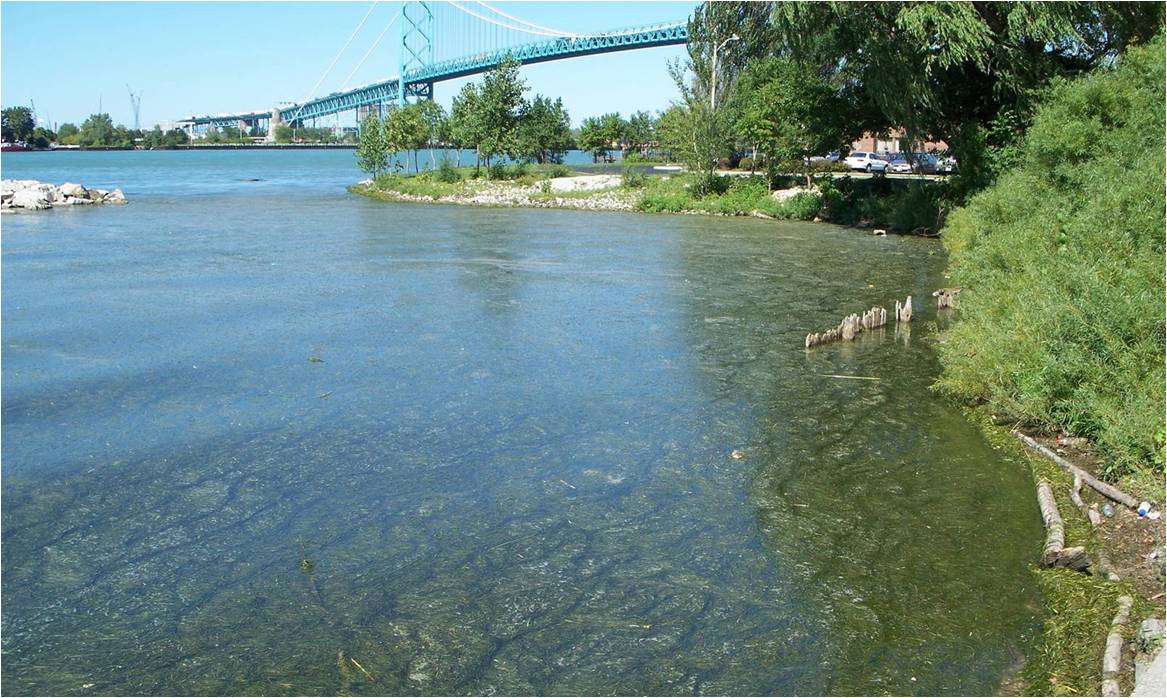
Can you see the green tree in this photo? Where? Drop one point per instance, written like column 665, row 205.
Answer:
column 591, row 137
column 790, row 112
column 499, row 108
column 175, row 137
column 694, row 132
column 372, row 151
column 406, row 130
column 98, row 130
column 284, row 133
column 435, row 126
column 465, row 125
column 600, row 134
column 544, row 130
column 17, row 124
column 42, row 138
column 68, row 134
column 712, row 24
column 640, row 131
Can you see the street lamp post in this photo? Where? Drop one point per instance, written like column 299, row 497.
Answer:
column 713, row 72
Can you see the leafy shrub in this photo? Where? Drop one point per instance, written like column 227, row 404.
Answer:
column 448, row 172
column 559, row 170
column 746, row 163
column 829, row 166
column 497, row 171
column 1061, row 262
column 664, row 202
column 632, row 172
column 902, row 205
column 745, row 194
column 802, row 207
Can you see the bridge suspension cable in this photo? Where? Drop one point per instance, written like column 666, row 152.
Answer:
column 336, row 58
column 504, row 25
column 368, row 53
column 523, row 21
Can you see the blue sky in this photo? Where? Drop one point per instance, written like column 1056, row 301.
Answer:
column 209, row 57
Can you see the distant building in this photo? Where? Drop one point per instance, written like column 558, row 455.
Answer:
column 890, row 142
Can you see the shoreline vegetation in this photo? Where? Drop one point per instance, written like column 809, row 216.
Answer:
column 895, row 205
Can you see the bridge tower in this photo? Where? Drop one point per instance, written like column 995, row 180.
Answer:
column 417, row 48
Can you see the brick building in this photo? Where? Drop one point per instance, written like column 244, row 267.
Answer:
column 889, row 142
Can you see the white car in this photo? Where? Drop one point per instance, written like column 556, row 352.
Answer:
column 867, row 162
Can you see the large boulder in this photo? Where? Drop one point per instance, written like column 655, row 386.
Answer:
column 74, row 190
column 115, row 197
column 34, row 199
column 11, row 186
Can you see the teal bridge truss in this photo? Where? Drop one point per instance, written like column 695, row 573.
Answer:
column 418, row 31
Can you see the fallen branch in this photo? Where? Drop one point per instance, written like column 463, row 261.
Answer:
column 1054, row 554
column 1104, row 566
column 1099, row 486
column 1076, row 497
column 1112, row 657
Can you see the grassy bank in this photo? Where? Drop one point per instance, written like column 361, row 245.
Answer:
column 897, row 205
column 1061, row 261
column 1066, row 659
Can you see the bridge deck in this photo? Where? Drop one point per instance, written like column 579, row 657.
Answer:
column 536, row 52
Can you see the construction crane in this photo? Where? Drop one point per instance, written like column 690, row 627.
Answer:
column 136, row 105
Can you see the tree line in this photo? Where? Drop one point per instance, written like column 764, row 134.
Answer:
column 97, row 131
column 495, row 119
column 787, row 80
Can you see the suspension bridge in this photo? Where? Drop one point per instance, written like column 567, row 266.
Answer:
column 439, row 41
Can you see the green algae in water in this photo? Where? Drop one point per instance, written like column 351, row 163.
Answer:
column 523, row 482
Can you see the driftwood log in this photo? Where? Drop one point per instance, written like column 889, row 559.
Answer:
column 1055, row 554
column 1112, row 657
column 1091, row 513
column 1101, row 487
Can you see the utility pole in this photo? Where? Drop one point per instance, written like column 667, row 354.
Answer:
column 713, row 72
column 136, row 105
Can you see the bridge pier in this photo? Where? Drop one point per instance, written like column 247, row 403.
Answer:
column 276, row 120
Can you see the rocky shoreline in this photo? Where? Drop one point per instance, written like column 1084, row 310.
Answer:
column 32, row 195
column 604, row 194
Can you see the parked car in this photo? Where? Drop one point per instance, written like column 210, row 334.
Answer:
column 924, row 163
column 908, row 163
column 832, row 156
column 946, row 165
column 867, row 162
column 897, row 163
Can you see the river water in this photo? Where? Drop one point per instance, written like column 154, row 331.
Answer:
column 270, row 437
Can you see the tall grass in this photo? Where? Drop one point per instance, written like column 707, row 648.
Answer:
column 1062, row 314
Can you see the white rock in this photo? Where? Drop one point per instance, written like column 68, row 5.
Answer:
column 784, row 194
column 115, row 197
column 585, row 183
column 30, row 198
column 10, row 186
column 74, row 190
